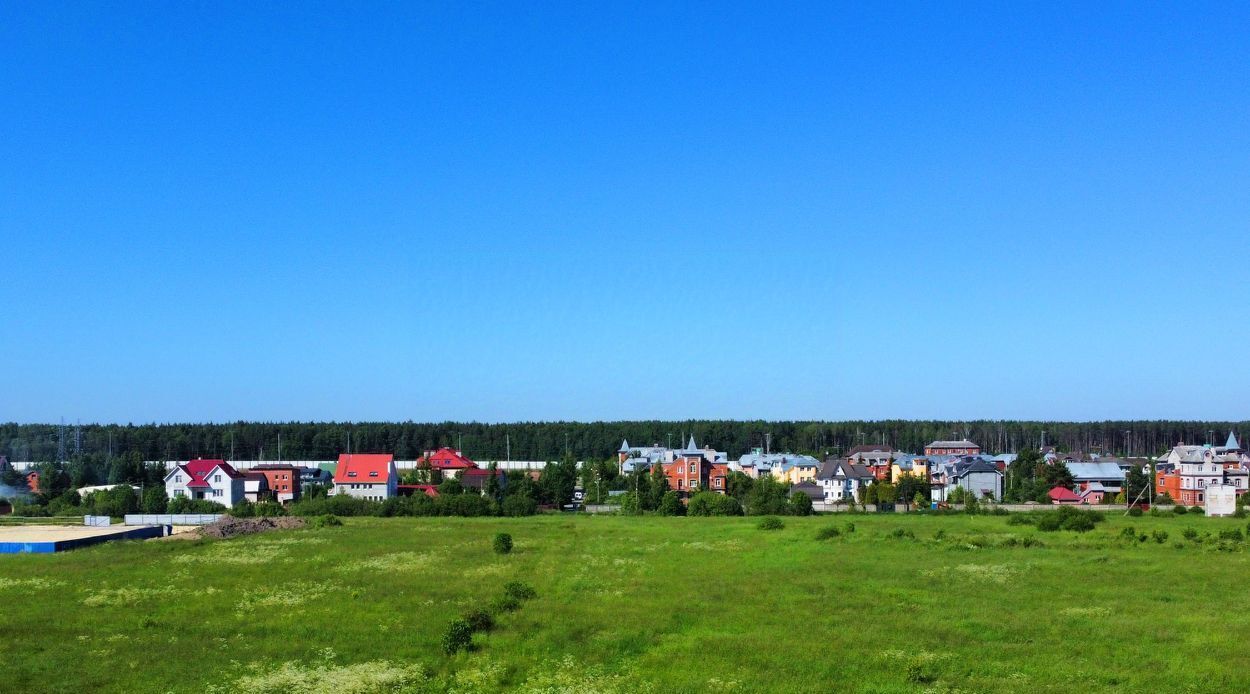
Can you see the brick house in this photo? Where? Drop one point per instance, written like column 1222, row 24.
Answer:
column 284, row 481
column 693, row 471
column 962, row 447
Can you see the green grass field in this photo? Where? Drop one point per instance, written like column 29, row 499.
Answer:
column 639, row 604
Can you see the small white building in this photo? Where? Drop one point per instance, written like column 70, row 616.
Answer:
column 1221, row 500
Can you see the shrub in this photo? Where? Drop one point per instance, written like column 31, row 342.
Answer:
column 328, row 520
column 940, row 534
column 800, row 504
column 1135, row 512
column 629, row 505
column 519, row 591
column 1179, row 510
column 1128, row 534
column 502, row 543
column 1231, row 534
column 243, row 509
column 1030, row 541
column 771, row 523
column 504, row 603
column 670, row 504
column 269, row 509
column 523, row 505
column 1160, row 536
column 1197, row 509
column 828, row 533
column 1190, row 534
column 713, row 504
column 1080, row 523
column 1050, row 522
column 1240, row 512
column 902, row 534
column 458, row 637
column 479, row 620
column 850, row 527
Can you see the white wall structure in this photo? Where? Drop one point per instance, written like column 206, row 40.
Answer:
column 1221, row 500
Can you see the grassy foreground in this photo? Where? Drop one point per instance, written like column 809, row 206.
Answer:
column 639, row 604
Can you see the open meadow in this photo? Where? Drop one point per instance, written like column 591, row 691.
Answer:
column 899, row 603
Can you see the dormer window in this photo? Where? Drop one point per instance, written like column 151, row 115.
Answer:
column 351, row 474
column 373, row 473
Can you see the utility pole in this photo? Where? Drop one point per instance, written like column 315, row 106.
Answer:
column 508, row 443
column 768, row 443
column 279, row 447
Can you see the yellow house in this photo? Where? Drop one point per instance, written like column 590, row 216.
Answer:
column 796, row 470
column 916, row 467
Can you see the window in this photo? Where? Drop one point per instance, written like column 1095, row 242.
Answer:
column 351, row 474
column 680, row 483
column 217, row 478
column 692, row 468
column 373, row 473
column 216, row 492
column 177, row 478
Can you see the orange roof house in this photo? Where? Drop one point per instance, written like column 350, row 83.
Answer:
column 369, row 476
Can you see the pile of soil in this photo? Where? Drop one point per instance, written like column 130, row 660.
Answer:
column 233, row 527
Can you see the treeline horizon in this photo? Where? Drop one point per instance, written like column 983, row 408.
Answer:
column 587, row 440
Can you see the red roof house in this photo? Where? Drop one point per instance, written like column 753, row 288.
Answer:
column 449, row 461
column 213, row 480
column 366, row 475
column 412, row 489
column 1063, row 495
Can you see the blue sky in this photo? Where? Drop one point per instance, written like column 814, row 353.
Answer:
column 218, row 211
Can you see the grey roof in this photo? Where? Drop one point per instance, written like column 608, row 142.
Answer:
column 836, row 467
column 976, row 465
column 811, row 489
column 1232, row 444
column 1095, row 471
column 624, row 446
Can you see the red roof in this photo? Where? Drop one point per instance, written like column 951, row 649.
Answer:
column 367, row 468
column 200, row 469
column 1063, row 494
column 427, row 489
column 449, row 459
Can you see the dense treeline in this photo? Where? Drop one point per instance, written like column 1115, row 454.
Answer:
column 584, row 440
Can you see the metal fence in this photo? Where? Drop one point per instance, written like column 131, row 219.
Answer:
column 97, row 521
column 172, row 518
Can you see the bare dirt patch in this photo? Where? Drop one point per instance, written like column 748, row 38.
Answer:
column 229, row 527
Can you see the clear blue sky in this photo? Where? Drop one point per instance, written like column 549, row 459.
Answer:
column 218, row 211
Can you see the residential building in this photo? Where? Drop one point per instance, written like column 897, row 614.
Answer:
column 643, row 458
column 1187, row 472
column 412, row 489
column 1109, row 477
column 813, row 491
column 211, row 480
column 961, row 447
column 475, row 479
column 1063, row 496
column 449, row 462
column 758, row 464
column 696, row 469
column 842, row 481
column 796, row 469
column 366, row 476
column 914, row 465
column 972, row 473
column 255, row 487
column 283, row 480
column 879, row 459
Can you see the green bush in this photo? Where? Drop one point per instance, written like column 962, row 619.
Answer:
column 1128, row 534
column 523, row 505
column 1050, row 522
column 771, row 523
column 458, row 637
column 479, row 620
column 629, row 504
column 1160, row 536
column 828, row 533
column 504, row 603
column 1082, row 523
column 328, row 520
column 800, row 504
column 1190, row 534
column 670, row 504
column 713, row 504
column 518, row 590
column 1179, row 510
column 1240, row 512
column 1135, row 512
column 1197, row 509
column 849, row 528
column 1231, row 534
column 502, row 543
column 902, row 534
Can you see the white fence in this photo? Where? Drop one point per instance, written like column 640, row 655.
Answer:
column 97, row 521
column 172, row 518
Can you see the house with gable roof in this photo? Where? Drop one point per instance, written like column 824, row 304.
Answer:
column 697, row 469
column 211, row 480
column 449, row 462
column 369, row 476
column 972, row 473
column 842, row 481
